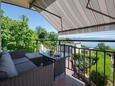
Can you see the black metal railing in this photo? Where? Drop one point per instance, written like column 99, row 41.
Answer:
column 93, row 66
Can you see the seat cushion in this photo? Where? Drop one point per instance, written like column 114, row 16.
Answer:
column 25, row 66
column 33, row 55
column 17, row 54
column 20, row 60
column 7, row 65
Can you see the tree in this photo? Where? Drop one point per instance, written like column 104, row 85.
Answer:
column 102, row 46
column 100, row 70
column 24, row 18
column 17, row 36
column 24, row 21
column 1, row 16
column 1, row 13
column 83, row 46
column 41, row 32
column 52, row 36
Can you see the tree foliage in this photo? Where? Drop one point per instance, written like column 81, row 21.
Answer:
column 100, row 67
column 17, row 36
column 47, row 38
column 97, row 76
column 41, row 32
column 102, row 46
column 83, row 46
column 24, row 18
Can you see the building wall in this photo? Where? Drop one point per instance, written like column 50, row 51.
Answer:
column 78, row 45
column 70, row 50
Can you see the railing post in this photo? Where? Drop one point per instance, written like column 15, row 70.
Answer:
column 114, row 69
column 79, row 53
column 84, row 64
column 59, row 50
column 65, row 59
column 89, row 66
column 104, row 68
column 1, row 14
column 73, row 59
column 71, row 51
column 69, row 56
column 97, row 67
column 64, row 50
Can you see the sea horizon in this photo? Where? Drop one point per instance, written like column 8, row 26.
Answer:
column 94, row 44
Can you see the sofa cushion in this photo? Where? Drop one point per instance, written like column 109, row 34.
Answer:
column 7, row 65
column 17, row 54
column 20, row 60
column 33, row 55
column 25, row 66
column 3, row 75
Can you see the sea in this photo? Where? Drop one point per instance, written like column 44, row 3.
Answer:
column 94, row 44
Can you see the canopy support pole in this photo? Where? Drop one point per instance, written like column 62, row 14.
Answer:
column 98, row 25
column 33, row 5
column 0, row 28
column 87, row 6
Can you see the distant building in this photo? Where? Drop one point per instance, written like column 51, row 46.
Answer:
column 87, row 51
column 71, row 49
column 78, row 46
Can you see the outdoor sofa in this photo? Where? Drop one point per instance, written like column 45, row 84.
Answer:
column 28, row 73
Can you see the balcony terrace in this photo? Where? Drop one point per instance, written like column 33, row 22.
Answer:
column 72, row 66
column 68, row 80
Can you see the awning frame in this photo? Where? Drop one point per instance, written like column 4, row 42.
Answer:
column 33, row 5
column 87, row 6
column 61, row 19
column 93, row 26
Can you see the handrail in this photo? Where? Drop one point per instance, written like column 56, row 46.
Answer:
column 88, row 48
column 87, row 63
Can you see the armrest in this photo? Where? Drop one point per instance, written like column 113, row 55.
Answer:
column 41, row 76
column 3, row 75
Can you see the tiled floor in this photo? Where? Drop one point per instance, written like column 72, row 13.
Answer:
column 67, row 80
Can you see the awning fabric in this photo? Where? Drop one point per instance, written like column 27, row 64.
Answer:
column 75, row 14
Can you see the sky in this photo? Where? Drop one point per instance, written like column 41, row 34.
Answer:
column 35, row 19
column 110, row 35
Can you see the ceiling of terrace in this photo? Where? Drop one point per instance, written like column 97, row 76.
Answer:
column 75, row 16
column 24, row 3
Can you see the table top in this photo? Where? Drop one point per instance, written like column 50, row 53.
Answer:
column 33, row 55
column 61, row 55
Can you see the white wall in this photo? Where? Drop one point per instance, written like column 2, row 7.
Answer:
column 78, row 45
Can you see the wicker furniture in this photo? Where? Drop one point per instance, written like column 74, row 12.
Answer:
column 59, row 62
column 59, row 67
column 39, row 76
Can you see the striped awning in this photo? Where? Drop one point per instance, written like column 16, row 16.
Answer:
column 76, row 16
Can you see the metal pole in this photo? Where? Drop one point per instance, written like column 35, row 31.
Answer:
column 114, row 69
column 87, row 27
column 1, row 14
column 94, row 10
